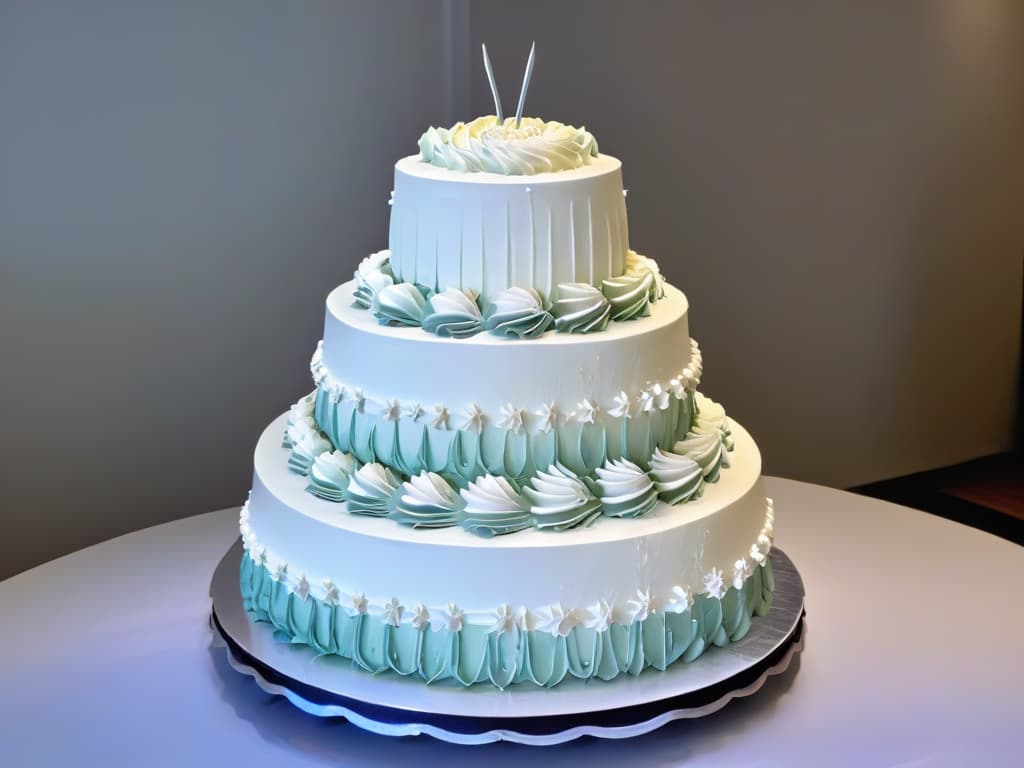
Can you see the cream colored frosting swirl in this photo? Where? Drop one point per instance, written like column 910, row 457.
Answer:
column 484, row 145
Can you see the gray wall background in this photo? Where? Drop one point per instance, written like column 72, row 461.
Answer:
column 837, row 186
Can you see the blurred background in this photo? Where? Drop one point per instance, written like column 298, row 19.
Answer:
column 838, row 187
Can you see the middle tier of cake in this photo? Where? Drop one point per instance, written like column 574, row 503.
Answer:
column 415, row 401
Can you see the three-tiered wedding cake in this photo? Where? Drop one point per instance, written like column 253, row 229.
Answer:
column 506, row 473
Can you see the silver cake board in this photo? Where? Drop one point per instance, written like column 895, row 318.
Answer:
column 393, row 705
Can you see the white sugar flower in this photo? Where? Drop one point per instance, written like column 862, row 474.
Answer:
column 359, row 399
column 557, row 620
column 741, row 572
column 756, row 554
column 642, row 605
column 450, row 617
column 659, row 397
column 676, row 387
column 503, row 620
column 392, row 410
column 689, row 380
column 261, row 558
column 680, row 601
column 440, row 417
column 281, row 572
column 302, row 588
column 392, row 612
column 713, row 584
column 332, row 595
column 420, row 617
column 588, row 411
column 474, row 419
column 598, row 616
column 622, row 406
column 414, row 411
column 548, row 417
column 511, row 418
column 356, row 603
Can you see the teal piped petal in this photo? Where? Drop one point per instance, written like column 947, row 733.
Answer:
column 580, row 308
column 629, row 296
column 522, row 324
column 400, row 304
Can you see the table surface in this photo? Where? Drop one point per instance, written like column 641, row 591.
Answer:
column 914, row 655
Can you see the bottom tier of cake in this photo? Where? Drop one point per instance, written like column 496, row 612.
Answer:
column 532, row 607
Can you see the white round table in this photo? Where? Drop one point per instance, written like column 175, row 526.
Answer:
column 914, row 655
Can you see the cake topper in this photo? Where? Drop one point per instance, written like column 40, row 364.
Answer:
column 494, row 85
column 526, row 84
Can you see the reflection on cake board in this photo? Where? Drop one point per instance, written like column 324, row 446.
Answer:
column 391, row 705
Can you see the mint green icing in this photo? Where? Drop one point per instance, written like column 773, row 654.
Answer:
column 475, row 654
column 400, row 304
column 454, row 314
column 518, row 313
column 561, row 500
column 580, row 308
column 629, row 297
column 426, row 500
column 410, row 447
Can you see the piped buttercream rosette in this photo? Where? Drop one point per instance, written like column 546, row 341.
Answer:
column 372, row 276
column 426, row 500
column 330, row 474
column 493, row 506
column 561, row 500
column 580, row 308
column 518, row 313
column 369, row 490
column 453, row 314
column 532, row 146
column 400, row 304
column 625, row 490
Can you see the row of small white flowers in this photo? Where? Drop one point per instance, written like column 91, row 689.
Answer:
column 653, row 397
column 555, row 619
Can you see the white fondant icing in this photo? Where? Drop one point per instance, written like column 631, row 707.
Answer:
column 492, row 371
column 487, row 232
column 670, row 547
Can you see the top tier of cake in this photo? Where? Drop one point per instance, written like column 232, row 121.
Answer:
column 455, row 223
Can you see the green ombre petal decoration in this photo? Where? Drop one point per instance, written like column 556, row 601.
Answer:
column 493, row 507
column 629, row 296
column 518, row 313
column 329, row 476
column 370, row 489
column 454, row 314
column 426, row 500
column 625, row 490
column 677, row 478
column 400, row 304
column 561, row 500
column 580, row 308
